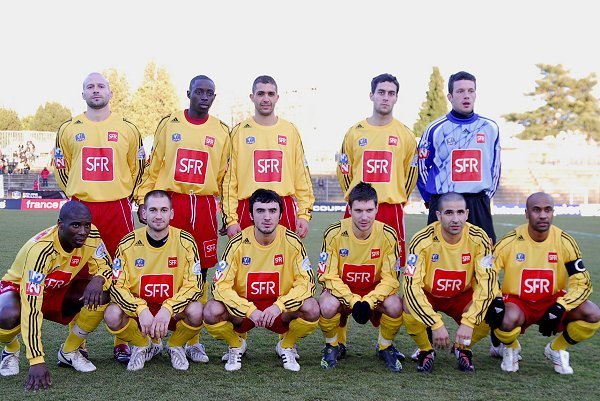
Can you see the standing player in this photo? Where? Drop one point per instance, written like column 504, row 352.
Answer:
column 266, row 280
column 189, row 159
column 540, row 261
column 359, row 269
column 460, row 152
column 46, row 282
column 449, row 270
column 266, row 152
column 380, row 150
column 100, row 159
column 158, row 282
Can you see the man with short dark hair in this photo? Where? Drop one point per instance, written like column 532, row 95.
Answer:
column 264, row 279
column 460, row 152
column 544, row 283
column 450, row 270
column 49, row 279
column 359, row 267
column 267, row 152
column 157, row 280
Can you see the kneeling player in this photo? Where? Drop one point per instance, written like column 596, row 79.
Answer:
column 52, row 274
column 264, row 279
column 539, row 259
column 359, row 269
column 157, row 281
column 449, row 269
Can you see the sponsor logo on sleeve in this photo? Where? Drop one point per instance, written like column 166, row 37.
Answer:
column 34, row 283
column 196, row 268
column 411, row 265
column 323, row 256
column 306, row 266
column 141, row 154
column 423, row 153
column 487, row 261
column 220, row 270
column 100, row 251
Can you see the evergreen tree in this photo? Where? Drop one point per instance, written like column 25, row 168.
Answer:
column 49, row 117
column 155, row 98
column 435, row 104
column 569, row 106
column 9, row 120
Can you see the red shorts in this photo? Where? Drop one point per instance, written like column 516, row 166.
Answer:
column 278, row 326
column 391, row 214
column 453, row 307
column 197, row 214
column 288, row 216
column 534, row 311
column 54, row 307
column 113, row 219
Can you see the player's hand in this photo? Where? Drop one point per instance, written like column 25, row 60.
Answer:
column 269, row 315
column 495, row 313
column 463, row 336
column 233, row 230
column 146, row 318
column 38, row 378
column 139, row 214
column 256, row 317
column 92, row 295
column 441, row 339
column 160, row 324
column 551, row 319
column 302, row 227
column 361, row 312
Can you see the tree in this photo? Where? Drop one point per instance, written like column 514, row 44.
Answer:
column 49, row 117
column 435, row 104
column 155, row 98
column 9, row 120
column 27, row 120
column 569, row 106
column 121, row 100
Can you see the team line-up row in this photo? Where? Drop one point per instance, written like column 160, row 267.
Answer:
column 100, row 163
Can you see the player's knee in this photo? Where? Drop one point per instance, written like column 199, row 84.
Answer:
column 393, row 306
column 592, row 312
column 513, row 317
column 114, row 317
column 193, row 314
column 10, row 316
column 329, row 306
column 310, row 310
column 213, row 311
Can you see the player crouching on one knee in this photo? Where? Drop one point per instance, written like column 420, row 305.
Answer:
column 540, row 261
column 157, row 282
column 359, row 270
column 54, row 274
column 449, row 269
column 264, row 279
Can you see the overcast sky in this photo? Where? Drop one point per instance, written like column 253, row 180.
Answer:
column 333, row 46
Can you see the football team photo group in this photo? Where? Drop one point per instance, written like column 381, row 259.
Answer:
column 159, row 285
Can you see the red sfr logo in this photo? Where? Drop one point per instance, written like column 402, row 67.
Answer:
column 97, row 164
column 377, row 166
column 466, row 165
column 191, row 165
column 268, row 165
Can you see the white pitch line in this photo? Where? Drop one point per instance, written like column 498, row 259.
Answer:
column 593, row 235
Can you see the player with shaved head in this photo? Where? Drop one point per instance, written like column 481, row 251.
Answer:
column 545, row 283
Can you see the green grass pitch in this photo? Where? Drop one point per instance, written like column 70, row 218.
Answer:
column 362, row 376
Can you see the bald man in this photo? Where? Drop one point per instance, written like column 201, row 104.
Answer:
column 545, row 283
column 99, row 161
column 49, row 279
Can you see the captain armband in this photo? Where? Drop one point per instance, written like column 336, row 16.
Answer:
column 575, row 266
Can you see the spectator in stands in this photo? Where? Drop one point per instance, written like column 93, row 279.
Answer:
column 36, row 185
column 3, row 166
column 44, row 174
